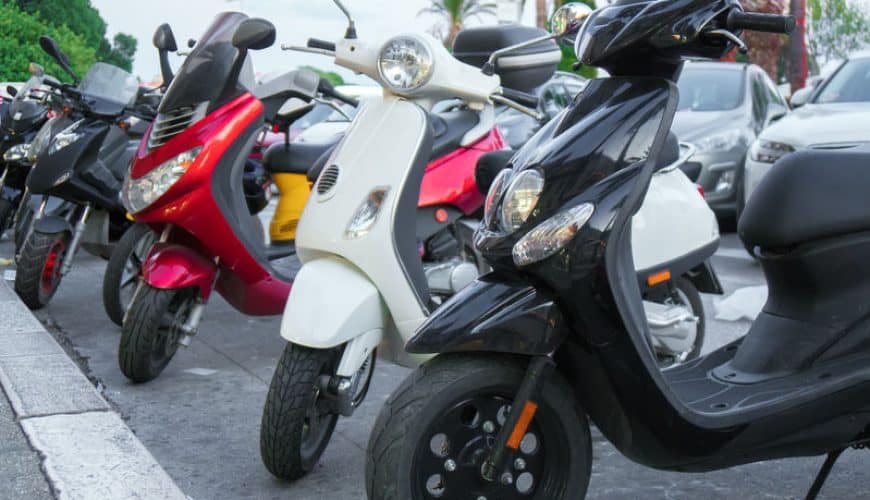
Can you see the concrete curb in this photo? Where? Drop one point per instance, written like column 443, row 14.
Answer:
column 86, row 448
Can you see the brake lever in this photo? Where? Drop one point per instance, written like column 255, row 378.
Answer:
column 741, row 45
column 300, row 48
column 500, row 99
column 334, row 106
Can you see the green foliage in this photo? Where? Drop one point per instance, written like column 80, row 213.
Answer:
column 19, row 45
column 568, row 56
column 120, row 53
column 332, row 77
column 454, row 14
column 77, row 15
column 836, row 28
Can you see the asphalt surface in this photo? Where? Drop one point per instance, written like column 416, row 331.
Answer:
column 201, row 418
column 20, row 470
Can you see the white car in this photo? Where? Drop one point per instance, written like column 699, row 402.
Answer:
column 834, row 115
column 337, row 123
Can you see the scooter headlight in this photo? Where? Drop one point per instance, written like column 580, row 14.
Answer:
column 405, row 63
column 65, row 138
column 40, row 142
column 16, row 153
column 551, row 236
column 521, row 199
column 139, row 194
column 492, row 197
column 367, row 214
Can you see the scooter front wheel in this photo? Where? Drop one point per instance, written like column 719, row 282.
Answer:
column 436, row 430
column 38, row 274
column 152, row 330
column 297, row 422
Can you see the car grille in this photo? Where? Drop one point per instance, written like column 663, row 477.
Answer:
column 327, row 180
column 169, row 124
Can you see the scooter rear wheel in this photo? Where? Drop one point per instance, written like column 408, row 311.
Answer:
column 38, row 274
column 434, row 432
column 297, row 423
column 152, row 330
column 123, row 270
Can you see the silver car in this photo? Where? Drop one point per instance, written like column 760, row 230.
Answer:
column 723, row 107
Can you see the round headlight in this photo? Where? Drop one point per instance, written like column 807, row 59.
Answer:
column 520, row 199
column 405, row 63
column 495, row 190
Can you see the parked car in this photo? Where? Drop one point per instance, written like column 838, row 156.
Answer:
column 334, row 123
column 723, row 107
column 555, row 95
column 833, row 115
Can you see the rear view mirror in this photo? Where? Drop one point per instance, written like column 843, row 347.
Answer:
column 254, row 34
column 50, row 47
column 801, row 97
column 569, row 18
column 164, row 39
column 36, row 70
column 11, row 90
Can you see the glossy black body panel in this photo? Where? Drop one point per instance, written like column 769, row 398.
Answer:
column 494, row 314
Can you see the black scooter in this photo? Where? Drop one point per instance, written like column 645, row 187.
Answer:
column 557, row 331
column 84, row 164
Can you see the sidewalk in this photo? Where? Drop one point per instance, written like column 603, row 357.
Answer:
column 73, row 444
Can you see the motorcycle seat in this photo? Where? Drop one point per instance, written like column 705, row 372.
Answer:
column 296, row 157
column 448, row 129
column 806, row 196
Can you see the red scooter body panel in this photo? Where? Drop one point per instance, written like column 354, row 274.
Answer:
column 170, row 266
column 449, row 180
column 190, row 206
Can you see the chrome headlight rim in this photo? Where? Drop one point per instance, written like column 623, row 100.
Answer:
column 535, row 184
column 492, row 202
column 427, row 68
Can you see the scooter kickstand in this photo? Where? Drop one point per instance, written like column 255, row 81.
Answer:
column 823, row 474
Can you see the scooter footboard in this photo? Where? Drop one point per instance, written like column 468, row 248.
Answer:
column 333, row 303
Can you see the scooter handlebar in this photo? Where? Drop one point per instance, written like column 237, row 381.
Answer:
column 768, row 23
column 528, row 100
column 314, row 43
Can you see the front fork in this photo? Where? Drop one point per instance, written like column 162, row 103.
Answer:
column 522, row 411
column 78, row 231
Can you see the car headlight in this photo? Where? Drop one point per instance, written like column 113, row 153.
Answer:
column 724, row 141
column 367, row 214
column 40, row 141
column 139, row 194
column 551, row 236
column 769, row 151
column 405, row 63
column 65, row 138
column 16, row 153
column 520, row 199
column 492, row 196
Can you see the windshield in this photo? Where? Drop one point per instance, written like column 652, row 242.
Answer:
column 204, row 73
column 24, row 106
column 109, row 83
column 850, row 84
column 710, row 89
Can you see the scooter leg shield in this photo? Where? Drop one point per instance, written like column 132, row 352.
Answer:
column 170, row 267
column 293, row 189
column 332, row 303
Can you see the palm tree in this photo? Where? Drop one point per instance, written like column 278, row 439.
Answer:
column 456, row 13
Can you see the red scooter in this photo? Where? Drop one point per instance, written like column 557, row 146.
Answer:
column 185, row 182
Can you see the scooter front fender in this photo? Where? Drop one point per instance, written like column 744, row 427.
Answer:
column 51, row 224
column 169, row 266
column 331, row 303
column 493, row 314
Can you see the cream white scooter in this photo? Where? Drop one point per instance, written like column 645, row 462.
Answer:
column 362, row 285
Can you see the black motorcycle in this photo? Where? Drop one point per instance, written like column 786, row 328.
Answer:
column 557, row 332
column 84, row 164
column 20, row 121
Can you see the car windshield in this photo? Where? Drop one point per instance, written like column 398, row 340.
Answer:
column 850, row 84
column 710, row 89
column 109, row 83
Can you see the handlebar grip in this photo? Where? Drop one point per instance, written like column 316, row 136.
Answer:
column 528, row 100
column 52, row 84
column 314, row 43
column 752, row 21
column 326, row 88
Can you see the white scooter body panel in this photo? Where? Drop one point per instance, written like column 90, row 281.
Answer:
column 673, row 221
column 377, row 152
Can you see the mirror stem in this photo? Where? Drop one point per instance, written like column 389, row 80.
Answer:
column 489, row 67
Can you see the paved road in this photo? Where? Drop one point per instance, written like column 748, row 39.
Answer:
column 20, row 470
column 201, row 418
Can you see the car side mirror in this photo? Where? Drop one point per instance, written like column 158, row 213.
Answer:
column 254, row 34
column 801, row 97
column 163, row 39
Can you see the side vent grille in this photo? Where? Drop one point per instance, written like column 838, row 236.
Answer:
column 169, row 124
column 327, row 180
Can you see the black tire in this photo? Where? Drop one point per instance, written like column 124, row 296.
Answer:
column 687, row 294
column 406, row 426
column 7, row 211
column 151, row 331
column 287, row 447
column 37, row 276
column 122, row 271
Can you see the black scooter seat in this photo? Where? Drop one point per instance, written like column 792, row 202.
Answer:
column 296, row 157
column 809, row 195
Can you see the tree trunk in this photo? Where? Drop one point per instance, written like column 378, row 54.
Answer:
column 797, row 64
column 541, row 13
column 764, row 48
